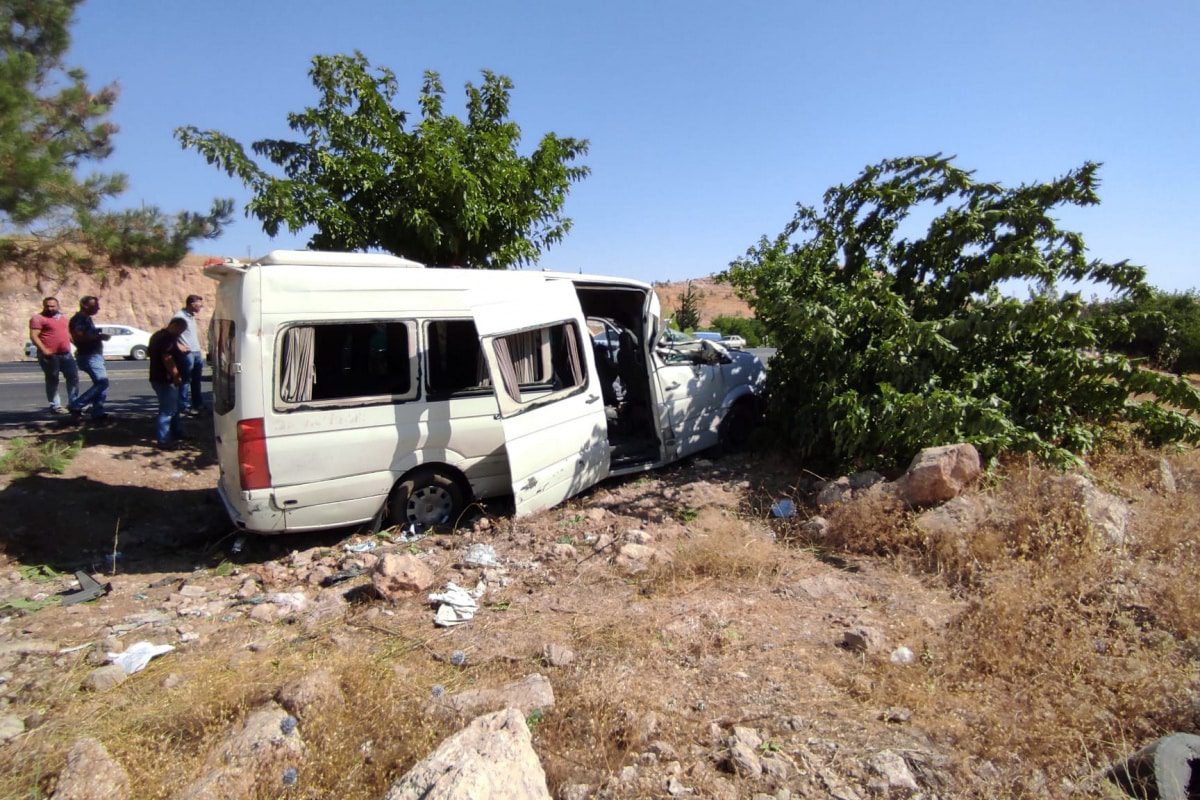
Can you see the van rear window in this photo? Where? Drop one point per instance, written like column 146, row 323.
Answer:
column 225, row 354
column 331, row 362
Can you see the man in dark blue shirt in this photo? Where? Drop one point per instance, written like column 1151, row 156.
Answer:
column 89, row 354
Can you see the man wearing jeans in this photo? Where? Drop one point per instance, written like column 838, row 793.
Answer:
column 191, row 401
column 89, row 350
column 49, row 334
column 167, row 381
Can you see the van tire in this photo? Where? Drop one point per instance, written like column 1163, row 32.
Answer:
column 427, row 496
column 737, row 425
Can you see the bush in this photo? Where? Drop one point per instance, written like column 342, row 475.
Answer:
column 888, row 344
column 749, row 329
column 1162, row 327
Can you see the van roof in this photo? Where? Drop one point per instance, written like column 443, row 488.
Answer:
column 323, row 258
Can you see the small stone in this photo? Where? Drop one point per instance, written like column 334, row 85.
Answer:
column 312, row 691
column 398, row 576
column 897, row 715
column 189, row 636
column 104, row 678
column 11, row 726
column 192, row 590
column 638, row 536
column 561, row 551
column 902, row 656
column 815, row 527
column 172, row 680
column 602, row 541
column 893, row 770
column 555, row 655
column 860, row 640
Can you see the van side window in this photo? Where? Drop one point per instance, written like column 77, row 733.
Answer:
column 540, row 364
column 224, row 388
column 327, row 362
column 455, row 363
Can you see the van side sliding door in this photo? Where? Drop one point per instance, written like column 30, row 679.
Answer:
column 539, row 356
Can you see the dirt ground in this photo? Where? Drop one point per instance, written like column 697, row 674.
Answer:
column 715, row 627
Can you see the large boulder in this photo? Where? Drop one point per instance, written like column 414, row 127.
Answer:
column 531, row 693
column 951, row 526
column 1167, row 768
column 396, row 576
column 938, row 474
column 91, row 774
column 262, row 748
column 492, row 757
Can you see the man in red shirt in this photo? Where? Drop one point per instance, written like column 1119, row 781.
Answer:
column 49, row 334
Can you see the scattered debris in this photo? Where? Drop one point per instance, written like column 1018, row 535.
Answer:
column 783, row 508
column 456, row 605
column 481, row 555
column 136, row 657
column 89, row 589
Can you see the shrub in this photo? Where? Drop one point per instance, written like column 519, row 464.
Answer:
column 888, row 344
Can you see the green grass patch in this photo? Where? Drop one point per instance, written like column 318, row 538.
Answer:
column 24, row 457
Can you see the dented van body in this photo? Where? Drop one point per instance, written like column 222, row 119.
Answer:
column 350, row 388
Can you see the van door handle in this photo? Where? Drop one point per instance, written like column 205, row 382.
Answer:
column 592, row 399
column 672, row 386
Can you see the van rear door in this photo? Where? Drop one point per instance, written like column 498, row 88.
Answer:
column 536, row 344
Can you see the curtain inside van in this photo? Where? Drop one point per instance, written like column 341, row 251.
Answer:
column 298, row 365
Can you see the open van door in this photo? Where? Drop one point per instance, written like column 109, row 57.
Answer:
column 536, row 344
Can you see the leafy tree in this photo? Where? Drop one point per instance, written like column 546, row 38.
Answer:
column 52, row 125
column 887, row 344
column 443, row 191
column 687, row 316
column 748, row 328
column 1163, row 328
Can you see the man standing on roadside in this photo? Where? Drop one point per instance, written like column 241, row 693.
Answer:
column 48, row 332
column 191, row 401
column 89, row 349
column 167, row 381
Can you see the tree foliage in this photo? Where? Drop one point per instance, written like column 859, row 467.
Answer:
column 1163, row 328
column 687, row 315
column 52, row 125
column 443, row 191
column 887, row 344
column 748, row 328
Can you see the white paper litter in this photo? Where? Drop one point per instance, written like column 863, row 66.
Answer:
column 293, row 600
column 138, row 656
column 481, row 555
column 456, row 605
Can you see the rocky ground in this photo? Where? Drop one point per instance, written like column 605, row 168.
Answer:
column 660, row 636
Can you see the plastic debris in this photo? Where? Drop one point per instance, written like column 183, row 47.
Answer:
column 412, row 532
column 481, row 555
column 290, row 776
column 456, row 605
column 458, row 658
column 237, row 545
column 288, row 725
column 783, row 508
column 902, row 655
column 438, row 690
column 138, row 656
column 361, row 547
column 89, row 589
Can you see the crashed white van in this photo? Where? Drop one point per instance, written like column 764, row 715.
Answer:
column 350, row 388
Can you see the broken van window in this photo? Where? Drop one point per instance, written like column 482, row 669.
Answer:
column 224, row 390
column 455, row 362
column 540, row 363
column 344, row 360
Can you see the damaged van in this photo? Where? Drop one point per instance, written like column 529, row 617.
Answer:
column 350, row 388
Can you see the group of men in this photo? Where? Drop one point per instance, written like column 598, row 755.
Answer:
column 176, row 363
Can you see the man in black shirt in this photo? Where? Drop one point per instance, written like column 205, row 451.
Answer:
column 166, row 379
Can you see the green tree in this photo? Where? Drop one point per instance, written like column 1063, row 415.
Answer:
column 687, row 316
column 887, row 344
column 1161, row 327
column 444, row 191
column 748, row 328
column 52, row 125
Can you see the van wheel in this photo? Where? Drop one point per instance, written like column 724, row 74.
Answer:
column 735, row 429
column 427, row 497
column 138, row 353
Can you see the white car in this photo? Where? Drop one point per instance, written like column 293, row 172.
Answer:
column 125, row 342
column 734, row 342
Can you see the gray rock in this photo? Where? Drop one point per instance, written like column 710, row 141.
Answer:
column 491, row 757
column 861, row 640
column 635, row 558
column 834, row 492
column 11, row 726
column 742, row 759
column 1167, row 768
column 555, row 655
column 533, row 692
column 102, row 679
column 938, row 474
column 91, row 774
column 575, row 791
column 865, row 480
column 955, row 522
column 1165, row 477
column 561, row 551
column 892, row 771
column 1107, row 515
column 815, row 527
column 312, row 692
column 257, row 747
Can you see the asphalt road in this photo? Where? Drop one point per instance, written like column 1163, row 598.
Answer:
column 23, row 392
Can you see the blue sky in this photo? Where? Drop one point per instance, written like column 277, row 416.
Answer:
column 708, row 121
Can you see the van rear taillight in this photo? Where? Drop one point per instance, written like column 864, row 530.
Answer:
column 253, row 470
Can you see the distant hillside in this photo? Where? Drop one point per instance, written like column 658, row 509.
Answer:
column 146, row 298
column 716, row 299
